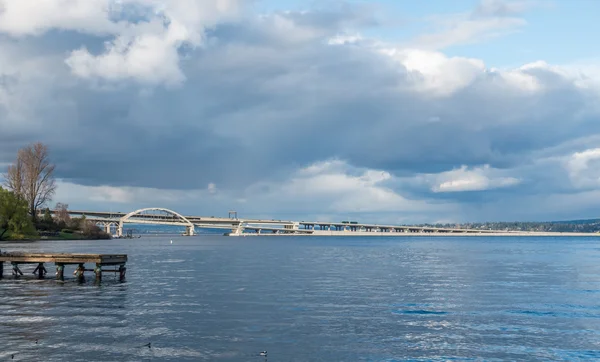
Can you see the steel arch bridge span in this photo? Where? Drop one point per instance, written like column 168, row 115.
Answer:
column 131, row 218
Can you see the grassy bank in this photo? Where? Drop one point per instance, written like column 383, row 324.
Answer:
column 12, row 237
column 64, row 236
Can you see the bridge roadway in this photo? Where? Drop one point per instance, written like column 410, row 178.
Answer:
column 239, row 227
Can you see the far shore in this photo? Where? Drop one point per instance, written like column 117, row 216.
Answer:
column 399, row 234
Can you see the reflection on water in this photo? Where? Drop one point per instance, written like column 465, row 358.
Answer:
column 313, row 299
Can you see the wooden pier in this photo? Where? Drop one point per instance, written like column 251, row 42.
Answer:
column 101, row 261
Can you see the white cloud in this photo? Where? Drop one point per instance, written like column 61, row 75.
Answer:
column 344, row 39
column 339, row 187
column 146, row 51
column 147, row 58
column 212, row 188
column 584, row 168
column 435, row 72
column 463, row 179
column 75, row 194
column 34, row 17
column 149, row 52
column 488, row 20
column 500, row 8
column 466, row 31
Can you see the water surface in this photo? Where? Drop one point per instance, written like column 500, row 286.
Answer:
column 313, row 299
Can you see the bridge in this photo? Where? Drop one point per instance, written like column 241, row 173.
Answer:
column 238, row 227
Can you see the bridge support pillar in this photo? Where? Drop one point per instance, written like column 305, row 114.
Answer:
column 190, row 230
column 107, row 228
column 237, row 230
column 120, row 229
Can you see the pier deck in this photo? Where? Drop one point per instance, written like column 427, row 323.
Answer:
column 62, row 259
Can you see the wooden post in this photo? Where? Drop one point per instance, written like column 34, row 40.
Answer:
column 122, row 271
column 60, row 271
column 41, row 271
column 16, row 270
column 98, row 271
column 1, row 269
column 79, row 273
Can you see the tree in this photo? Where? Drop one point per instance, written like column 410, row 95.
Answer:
column 15, row 176
column 32, row 176
column 77, row 223
column 92, row 231
column 48, row 217
column 13, row 214
column 46, row 222
column 61, row 213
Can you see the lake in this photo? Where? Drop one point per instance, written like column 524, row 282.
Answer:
column 329, row 299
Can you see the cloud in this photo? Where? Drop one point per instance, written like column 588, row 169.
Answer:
column 150, row 52
column 490, row 19
column 501, row 8
column 212, row 188
column 288, row 113
column 584, row 168
column 477, row 179
column 32, row 17
column 145, row 37
column 332, row 189
column 436, row 73
column 126, row 197
column 343, row 188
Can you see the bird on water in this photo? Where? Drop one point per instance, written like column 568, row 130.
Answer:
column 263, row 353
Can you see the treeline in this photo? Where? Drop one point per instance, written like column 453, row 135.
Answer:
column 62, row 222
column 581, row 226
column 30, row 185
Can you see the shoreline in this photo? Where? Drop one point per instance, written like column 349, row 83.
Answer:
column 399, row 234
column 64, row 237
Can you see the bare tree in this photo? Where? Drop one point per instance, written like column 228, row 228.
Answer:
column 14, row 178
column 32, row 176
column 61, row 213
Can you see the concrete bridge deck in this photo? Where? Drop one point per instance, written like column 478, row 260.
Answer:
column 242, row 226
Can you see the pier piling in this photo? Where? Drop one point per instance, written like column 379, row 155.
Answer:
column 79, row 273
column 60, row 271
column 40, row 270
column 98, row 271
column 16, row 270
column 122, row 271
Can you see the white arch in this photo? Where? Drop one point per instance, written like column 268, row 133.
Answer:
column 133, row 213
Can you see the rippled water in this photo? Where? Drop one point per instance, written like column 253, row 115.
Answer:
column 313, row 299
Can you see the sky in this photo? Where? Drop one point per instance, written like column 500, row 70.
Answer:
column 376, row 111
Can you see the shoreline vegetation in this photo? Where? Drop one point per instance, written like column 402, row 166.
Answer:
column 19, row 238
column 30, row 185
column 48, row 228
